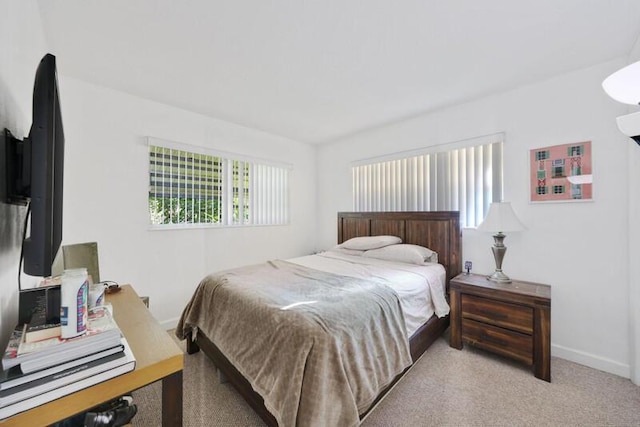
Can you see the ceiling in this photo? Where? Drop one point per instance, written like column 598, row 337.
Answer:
column 316, row 71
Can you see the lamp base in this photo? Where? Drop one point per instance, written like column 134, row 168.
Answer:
column 499, row 277
column 499, row 249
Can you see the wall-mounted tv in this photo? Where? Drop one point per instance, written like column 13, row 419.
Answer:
column 33, row 172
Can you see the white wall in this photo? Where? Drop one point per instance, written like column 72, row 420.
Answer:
column 21, row 48
column 577, row 248
column 106, row 187
column 105, row 191
column 634, row 243
column 106, row 182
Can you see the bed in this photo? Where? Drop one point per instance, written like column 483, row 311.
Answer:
column 438, row 231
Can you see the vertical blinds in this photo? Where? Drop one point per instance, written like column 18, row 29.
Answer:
column 190, row 188
column 465, row 179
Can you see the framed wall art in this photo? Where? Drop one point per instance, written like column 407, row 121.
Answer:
column 561, row 173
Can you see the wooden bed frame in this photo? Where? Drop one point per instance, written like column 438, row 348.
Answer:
column 439, row 231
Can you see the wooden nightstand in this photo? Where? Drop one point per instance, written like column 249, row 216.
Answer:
column 511, row 319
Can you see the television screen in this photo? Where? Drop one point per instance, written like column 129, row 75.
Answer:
column 34, row 170
column 47, row 162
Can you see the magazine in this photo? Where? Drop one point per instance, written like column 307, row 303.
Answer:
column 128, row 363
column 59, row 379
column 15, row 377
column 102, row 333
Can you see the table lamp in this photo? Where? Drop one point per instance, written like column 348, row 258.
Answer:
column 500, row 218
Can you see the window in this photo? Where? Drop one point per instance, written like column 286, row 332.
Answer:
column 576, row 191
column 575, row 151
column 557, row 168
column 465, row 176
column 542, row 155
column 189, row 188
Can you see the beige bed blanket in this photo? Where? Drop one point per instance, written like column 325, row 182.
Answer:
column 318, row 347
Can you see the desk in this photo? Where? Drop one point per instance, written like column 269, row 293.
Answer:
column 158, row 357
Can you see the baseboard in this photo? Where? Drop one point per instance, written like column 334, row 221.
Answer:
column 590, row 360
column 572, row 355
column 170, row 324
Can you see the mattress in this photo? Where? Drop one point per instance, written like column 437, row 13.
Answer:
column 420, row 288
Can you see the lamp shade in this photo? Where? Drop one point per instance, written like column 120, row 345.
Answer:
column 501, row 218
column 624, row 84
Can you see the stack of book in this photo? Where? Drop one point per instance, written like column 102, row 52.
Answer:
column 34, row 373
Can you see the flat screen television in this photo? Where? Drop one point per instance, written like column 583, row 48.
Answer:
column 34, row 171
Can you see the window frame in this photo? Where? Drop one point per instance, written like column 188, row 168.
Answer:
column 264, row 206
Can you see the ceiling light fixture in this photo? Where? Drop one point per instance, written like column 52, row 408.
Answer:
column 624, row 84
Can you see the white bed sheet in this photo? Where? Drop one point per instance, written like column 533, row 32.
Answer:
column 421, row 288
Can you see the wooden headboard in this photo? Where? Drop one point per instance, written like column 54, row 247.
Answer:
column 438, row 231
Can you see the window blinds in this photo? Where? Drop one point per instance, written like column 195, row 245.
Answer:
column 187, row 188
column 466, row 178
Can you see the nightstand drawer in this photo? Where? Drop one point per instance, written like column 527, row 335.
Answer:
column 512, row 316
column 502, row 341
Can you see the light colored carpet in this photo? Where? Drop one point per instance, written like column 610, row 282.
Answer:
column 446, row 387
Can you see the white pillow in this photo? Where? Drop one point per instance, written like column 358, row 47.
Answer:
column 370, row 242
column 412, row 254
column 345, row 251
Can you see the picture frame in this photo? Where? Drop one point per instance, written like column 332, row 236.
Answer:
column 561, row 173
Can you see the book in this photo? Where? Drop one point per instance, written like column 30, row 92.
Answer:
column 100, row 323
column 48, row 396
column 39, row 305
column 14, row 376
column 42, row 332
column 102, row 333
column 59, row 379
column 45, row 331
column 39, row 310
column 39, row 329
column 11, row 352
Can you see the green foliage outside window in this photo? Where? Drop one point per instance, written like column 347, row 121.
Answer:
column 189, row 188
column 174, row 210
